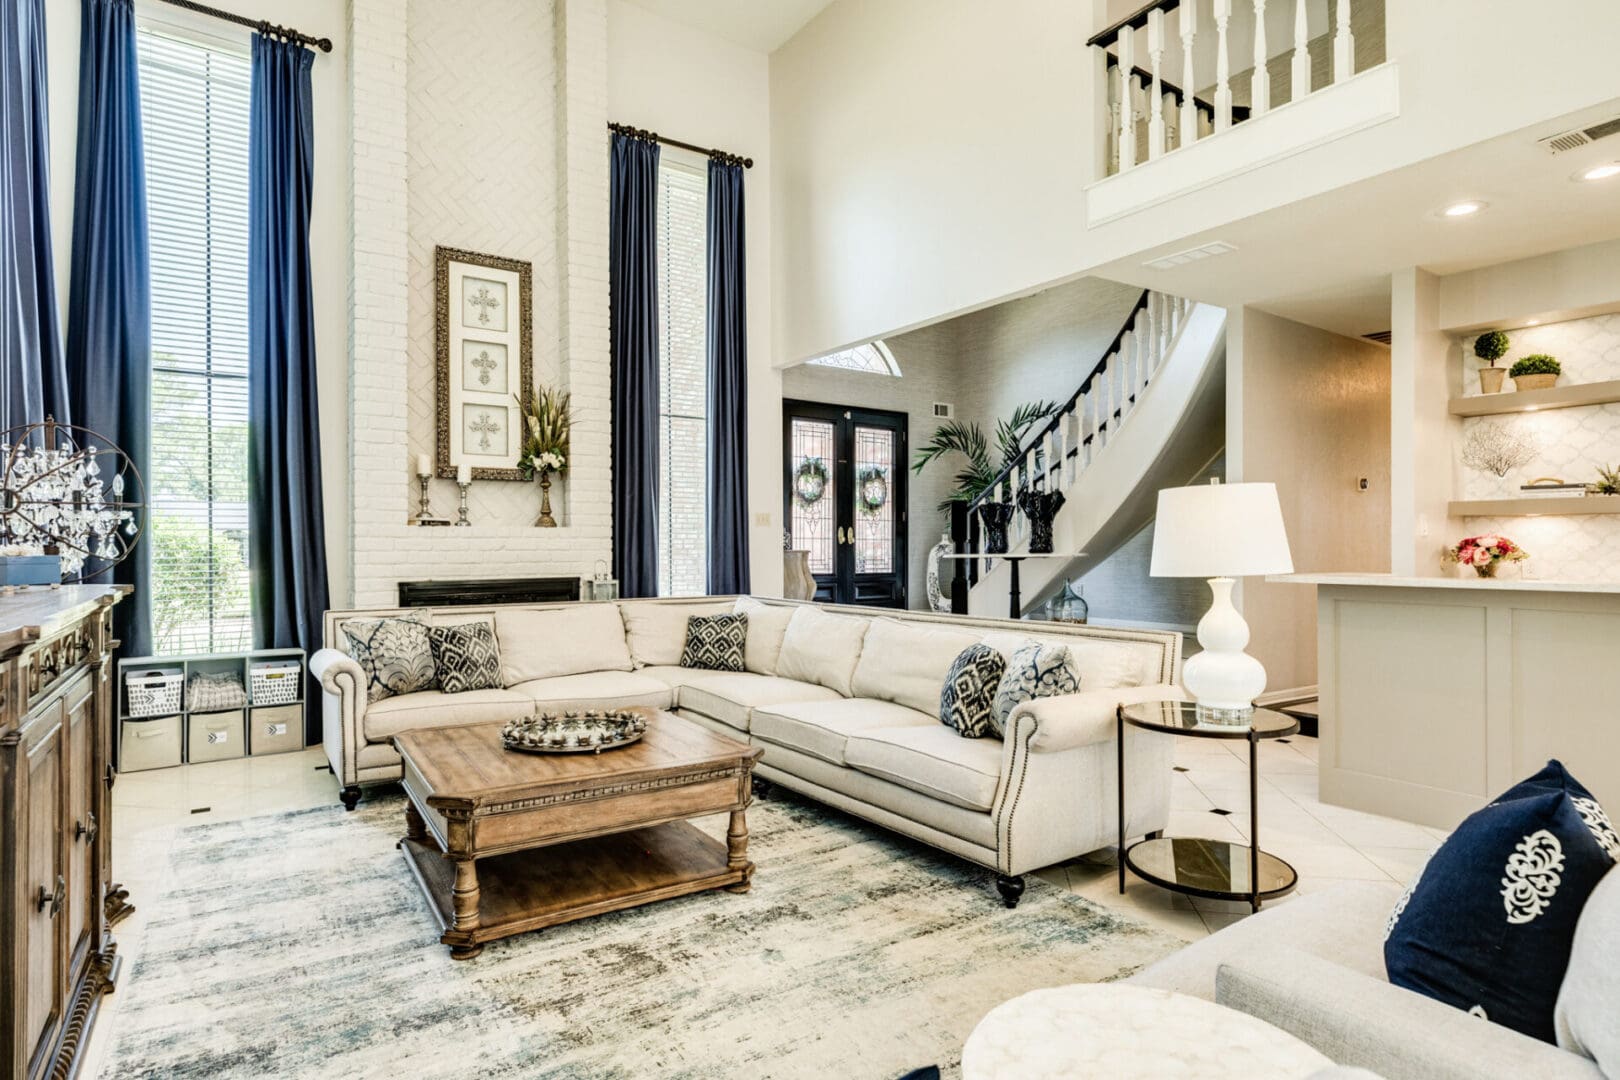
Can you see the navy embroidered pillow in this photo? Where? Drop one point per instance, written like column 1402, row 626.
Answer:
column 1488, row 924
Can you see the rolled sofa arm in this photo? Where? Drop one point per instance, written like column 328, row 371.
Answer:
column 1070, row 720
column 343, row 710
column 339, row 672
column 1358, row 1020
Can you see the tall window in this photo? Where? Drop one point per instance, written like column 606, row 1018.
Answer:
column 683, row 429
column 194, row 113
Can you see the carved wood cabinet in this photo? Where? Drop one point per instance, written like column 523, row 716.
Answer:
column 57, row 902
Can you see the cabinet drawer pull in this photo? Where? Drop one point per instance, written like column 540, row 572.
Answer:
column 53, row 900
column 80, row 832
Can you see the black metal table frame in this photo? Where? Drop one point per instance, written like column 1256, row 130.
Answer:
column 1255, row 895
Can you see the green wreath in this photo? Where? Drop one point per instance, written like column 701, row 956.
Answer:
column 810, row 481
column 871, row 489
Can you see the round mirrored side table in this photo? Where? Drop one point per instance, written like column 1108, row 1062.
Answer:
column 1216, row 869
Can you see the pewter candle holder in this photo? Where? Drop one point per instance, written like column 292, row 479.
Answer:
column 461, row 511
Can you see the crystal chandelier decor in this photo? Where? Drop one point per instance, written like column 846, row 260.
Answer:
column 66, row 491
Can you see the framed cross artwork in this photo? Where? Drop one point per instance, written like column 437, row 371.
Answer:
column 482, row 312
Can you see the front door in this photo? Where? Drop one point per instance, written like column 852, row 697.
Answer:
column 845, row 499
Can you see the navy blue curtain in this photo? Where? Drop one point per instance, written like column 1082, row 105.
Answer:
column 286, row 526
column 728, row 382
column 633, row 274
column 33, row 381
column 109, row 338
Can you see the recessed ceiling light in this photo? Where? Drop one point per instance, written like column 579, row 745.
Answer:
column 1598, row 172
column 1463, row 209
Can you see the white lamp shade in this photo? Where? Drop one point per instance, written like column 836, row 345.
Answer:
column 1220, row 530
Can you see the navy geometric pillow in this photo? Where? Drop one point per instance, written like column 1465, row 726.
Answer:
column 967, row 701
column 1488, row 924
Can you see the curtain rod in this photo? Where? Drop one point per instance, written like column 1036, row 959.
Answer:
column 262, row 26
column 640, row 133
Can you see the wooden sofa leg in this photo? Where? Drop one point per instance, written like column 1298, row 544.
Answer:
column 350, row 796
column 1011, row 889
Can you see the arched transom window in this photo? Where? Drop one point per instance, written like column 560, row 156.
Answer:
column 875, row 358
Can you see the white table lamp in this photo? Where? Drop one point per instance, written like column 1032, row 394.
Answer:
column 1220, row 532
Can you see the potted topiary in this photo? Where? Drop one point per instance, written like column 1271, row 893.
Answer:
column 1490, row 347
column 1537, row 371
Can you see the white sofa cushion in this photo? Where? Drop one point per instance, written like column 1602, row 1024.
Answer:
column 598, row 690
column 1587, row 1018
column 821, row 728
column 560, row 641
column 1102, row 665
column 434, row 708
column 823, row 648
column 907, row 662
column 656, row 633
column 932, row 759
column 766, row 626
column 731, row 696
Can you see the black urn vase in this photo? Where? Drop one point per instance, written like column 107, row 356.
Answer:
column 1040, row 507
column 996, row 516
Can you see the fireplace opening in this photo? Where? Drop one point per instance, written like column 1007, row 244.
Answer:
column 537, row 590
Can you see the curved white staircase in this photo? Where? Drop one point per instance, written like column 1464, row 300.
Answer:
column 1150, row 415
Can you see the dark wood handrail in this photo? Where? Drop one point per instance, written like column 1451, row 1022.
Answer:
column 1136, row 20
column 1068, row 406
column 1239, row 112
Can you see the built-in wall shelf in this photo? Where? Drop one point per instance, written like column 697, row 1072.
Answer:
column 1537, row 505
column 1559, row 397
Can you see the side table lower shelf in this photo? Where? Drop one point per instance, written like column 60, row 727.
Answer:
column 1213, row 869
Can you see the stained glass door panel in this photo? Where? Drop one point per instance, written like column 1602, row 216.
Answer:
column 874, row 506
column 813, row 494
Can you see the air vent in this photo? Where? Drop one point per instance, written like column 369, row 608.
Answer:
column 1571, row 140
column 1165, row 262
column 1383, row 337
column 944, row 410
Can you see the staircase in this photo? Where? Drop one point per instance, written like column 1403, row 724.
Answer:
column 1150, row 414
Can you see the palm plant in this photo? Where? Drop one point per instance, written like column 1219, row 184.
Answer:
column 978, row 474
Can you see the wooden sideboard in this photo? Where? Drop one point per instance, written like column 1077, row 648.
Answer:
column 57, row 900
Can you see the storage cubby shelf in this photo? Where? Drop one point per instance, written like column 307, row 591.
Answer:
column 1537, row 505
column 1559, row 397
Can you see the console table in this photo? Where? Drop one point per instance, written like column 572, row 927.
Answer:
column 56, row 777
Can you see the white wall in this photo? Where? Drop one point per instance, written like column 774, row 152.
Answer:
column 329, row 215
column 690, row 86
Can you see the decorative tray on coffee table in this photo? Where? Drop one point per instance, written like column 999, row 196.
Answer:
column 585, row 731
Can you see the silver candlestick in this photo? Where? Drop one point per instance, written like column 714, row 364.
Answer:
column 424, row 513
column 461, row 512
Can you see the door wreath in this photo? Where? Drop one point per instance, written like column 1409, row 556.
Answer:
column 810, row 481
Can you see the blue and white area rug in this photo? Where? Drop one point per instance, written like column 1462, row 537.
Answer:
column 298, row 945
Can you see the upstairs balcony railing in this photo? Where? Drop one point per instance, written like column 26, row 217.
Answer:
column 1149, row 116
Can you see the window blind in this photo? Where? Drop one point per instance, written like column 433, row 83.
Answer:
column 683, row 532
column 194, row 114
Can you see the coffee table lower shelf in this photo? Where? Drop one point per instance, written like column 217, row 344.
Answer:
column 539, row 887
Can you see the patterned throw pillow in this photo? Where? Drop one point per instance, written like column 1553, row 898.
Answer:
column 394, row 654
column 1488, row 924
column 466, row 657
column 969, row 699
column 1035, row 671
column 715, row 642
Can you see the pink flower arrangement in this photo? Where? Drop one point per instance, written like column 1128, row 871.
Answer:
column 1483, row 553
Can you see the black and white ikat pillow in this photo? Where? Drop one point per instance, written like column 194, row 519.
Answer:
column 466, row 657
column 967, row 702
column 715, row 642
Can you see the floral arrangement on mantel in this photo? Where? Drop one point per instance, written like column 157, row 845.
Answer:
column 548, row 420
column 1485, row 553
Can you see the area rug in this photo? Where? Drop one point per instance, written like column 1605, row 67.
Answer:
column 298, row 945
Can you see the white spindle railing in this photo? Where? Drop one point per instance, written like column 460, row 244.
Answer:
column 1148, row 117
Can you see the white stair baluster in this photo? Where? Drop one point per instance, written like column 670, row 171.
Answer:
column 1155, row 45
column 1167, row 107
column 1302, row 53
column 1344, row 45
column 1113, row 125
column 1187, row 18
column 1260, row 84
column 1206, row 124
column 1127, row 99
column 1223, row 68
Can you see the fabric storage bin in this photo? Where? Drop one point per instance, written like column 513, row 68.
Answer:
column 275, row 682
column 148, row 744
column 214, row 736
column 276, row 730
column 153, row 692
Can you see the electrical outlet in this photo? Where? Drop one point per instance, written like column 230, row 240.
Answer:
column 763, row 518
column 1423, row 525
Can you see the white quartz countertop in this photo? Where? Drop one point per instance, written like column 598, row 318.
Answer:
column 1509, row 584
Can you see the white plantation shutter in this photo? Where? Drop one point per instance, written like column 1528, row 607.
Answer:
column 683, row 430
column 194, row 114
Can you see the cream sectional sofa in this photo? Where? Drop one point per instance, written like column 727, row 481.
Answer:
column 844, row 701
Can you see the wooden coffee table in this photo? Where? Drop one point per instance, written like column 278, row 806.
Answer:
column 503, row 842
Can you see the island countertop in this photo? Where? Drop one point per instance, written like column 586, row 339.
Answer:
column 1501, row 584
